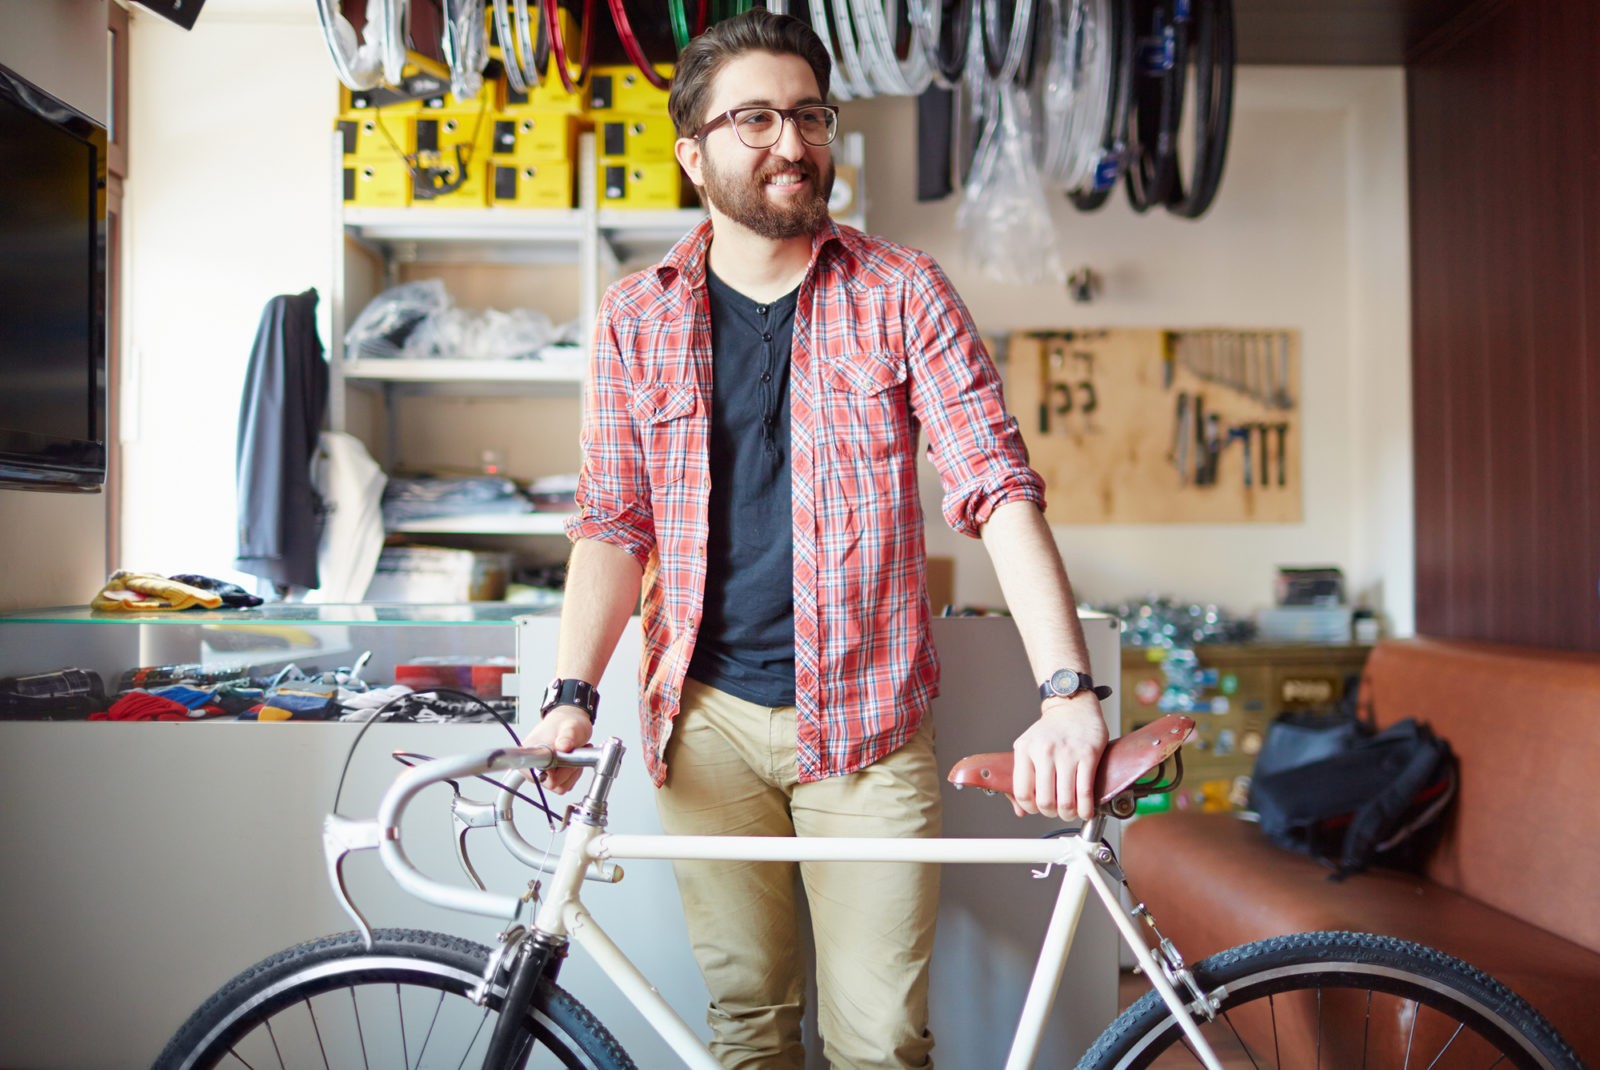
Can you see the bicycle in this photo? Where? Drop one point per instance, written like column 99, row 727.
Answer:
column 414, row 998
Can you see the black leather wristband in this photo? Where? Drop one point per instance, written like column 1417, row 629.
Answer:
column 577, row 693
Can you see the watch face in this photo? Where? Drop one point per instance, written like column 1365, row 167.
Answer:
column 1064, row 681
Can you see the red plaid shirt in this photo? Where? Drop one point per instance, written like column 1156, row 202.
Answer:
column 883, row 349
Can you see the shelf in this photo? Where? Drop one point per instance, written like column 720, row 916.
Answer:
column 476, row 235
column 422, row 614
column 444, row 370
column 488, row 524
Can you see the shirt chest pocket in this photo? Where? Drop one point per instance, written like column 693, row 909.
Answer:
column 664, row 414
column 864, row 396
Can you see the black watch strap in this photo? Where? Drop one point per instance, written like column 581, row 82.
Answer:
column 571, row 692
column 1084, row 682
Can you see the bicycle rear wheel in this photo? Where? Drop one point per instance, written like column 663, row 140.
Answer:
column 331, row 1003
column 1340, row 999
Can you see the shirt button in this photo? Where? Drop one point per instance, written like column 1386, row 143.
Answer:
column 761, row 309
column 766, row 336
column 766, row 377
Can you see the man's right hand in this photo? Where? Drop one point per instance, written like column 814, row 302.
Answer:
column 563, row 729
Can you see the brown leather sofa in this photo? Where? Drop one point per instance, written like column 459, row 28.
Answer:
column 1513, row 888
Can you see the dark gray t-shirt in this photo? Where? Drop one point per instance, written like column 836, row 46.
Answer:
column 746, row 641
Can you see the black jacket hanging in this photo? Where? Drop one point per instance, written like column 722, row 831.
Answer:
column 280, row 417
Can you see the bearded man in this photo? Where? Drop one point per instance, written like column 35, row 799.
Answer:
column 753, row 413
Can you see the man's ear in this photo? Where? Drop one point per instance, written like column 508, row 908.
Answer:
column 689, row 151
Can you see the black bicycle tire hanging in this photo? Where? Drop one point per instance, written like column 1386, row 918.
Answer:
column 955, row 24
column 1161, row 61
column 1114, row 140
column 1212, row 52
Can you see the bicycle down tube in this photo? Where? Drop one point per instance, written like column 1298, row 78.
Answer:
column 589, row 851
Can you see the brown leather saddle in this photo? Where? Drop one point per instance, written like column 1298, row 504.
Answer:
column 1132, row 766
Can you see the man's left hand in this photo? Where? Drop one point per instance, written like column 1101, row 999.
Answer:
column 1057, row 757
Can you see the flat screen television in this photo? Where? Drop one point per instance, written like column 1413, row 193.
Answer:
column 52, row 292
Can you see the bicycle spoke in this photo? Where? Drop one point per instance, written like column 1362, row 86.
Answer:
column 317, row 1031
column 1248, row 1053
column 272, row 1036
column 1366, row 1030
column 476, row 1033
column 361, row 1034
column 1459, row 1027
column 428, row 1036
column 1411, row 1034
column 400, row 1015
column 240, row 1060
column 1272, row 1011
column 1319, row 1029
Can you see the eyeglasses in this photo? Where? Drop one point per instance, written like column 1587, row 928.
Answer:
column 761, row 128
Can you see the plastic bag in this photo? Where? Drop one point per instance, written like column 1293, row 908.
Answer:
column 1004, row 218
column 466, row 46
column 387, row 323
column 488, row 335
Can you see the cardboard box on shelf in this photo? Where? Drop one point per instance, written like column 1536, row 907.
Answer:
column 439, row 574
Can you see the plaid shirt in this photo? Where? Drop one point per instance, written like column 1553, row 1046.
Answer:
column 883, row 350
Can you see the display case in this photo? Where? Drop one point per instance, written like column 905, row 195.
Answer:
column 60, row 652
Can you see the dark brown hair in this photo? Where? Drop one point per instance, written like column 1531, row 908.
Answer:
column 757, row 30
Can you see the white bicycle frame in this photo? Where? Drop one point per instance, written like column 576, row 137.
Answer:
column 589, row 852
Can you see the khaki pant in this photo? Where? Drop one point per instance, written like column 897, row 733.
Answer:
column 731, row 770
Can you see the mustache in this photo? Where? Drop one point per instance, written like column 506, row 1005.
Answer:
column 805, row 168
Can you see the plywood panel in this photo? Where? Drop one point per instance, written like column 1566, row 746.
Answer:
column 1151, row 426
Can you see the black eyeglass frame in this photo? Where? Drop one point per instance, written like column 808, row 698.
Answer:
column 783, row 114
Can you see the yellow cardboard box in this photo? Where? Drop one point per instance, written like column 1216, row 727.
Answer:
column 531, row 184
column 638, row 137
column 534, row 135
column 625, row 89
column 649, row 185
column 377, row 183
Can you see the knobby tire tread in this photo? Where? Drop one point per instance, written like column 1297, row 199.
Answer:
column 1331, row 951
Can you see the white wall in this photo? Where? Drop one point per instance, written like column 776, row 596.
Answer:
column 55, row 542
column 232, row 202
column 1309, row 232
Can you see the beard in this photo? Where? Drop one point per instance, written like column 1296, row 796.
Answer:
column 743, row 198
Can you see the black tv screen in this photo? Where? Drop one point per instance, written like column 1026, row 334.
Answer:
column 52, row 291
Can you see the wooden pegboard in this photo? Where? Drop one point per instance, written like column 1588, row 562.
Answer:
column 1110, row 420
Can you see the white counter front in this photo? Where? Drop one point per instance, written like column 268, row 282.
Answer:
column 148, row 863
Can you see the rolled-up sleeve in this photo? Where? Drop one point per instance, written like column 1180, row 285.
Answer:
column 973, row 441
column 613, row 496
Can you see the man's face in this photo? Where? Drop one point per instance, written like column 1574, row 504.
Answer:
column 778, row 192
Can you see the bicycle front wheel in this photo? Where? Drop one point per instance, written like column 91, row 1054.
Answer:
column 1340, row 999
column 331, row 1003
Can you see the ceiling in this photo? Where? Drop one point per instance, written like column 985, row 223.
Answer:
column 1337, row 32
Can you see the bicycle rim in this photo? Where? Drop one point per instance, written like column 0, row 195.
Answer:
column 1340, row 1000
column 332, row 1004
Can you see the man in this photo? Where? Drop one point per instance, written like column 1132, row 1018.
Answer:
column 750, row 437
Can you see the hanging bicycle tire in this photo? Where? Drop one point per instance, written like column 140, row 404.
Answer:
column 1114, row 136
column 1211, row 53
column 333, row 1003
column 1162, row 29
column 1340, row 999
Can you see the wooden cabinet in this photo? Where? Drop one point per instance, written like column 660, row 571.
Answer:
column 1242, row 688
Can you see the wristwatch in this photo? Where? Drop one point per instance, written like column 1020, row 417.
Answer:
column 579, row 693
column 1064, row 683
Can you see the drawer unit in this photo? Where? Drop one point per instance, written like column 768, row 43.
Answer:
column 1241, row 689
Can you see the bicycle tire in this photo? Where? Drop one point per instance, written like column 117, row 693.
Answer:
column 407, row 999
column 1298, row 1001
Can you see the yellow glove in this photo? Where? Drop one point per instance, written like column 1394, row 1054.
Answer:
column 142, row 591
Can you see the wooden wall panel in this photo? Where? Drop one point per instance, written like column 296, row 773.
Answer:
column 1505, row 210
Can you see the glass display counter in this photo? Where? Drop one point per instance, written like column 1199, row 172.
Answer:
column 62, row 651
